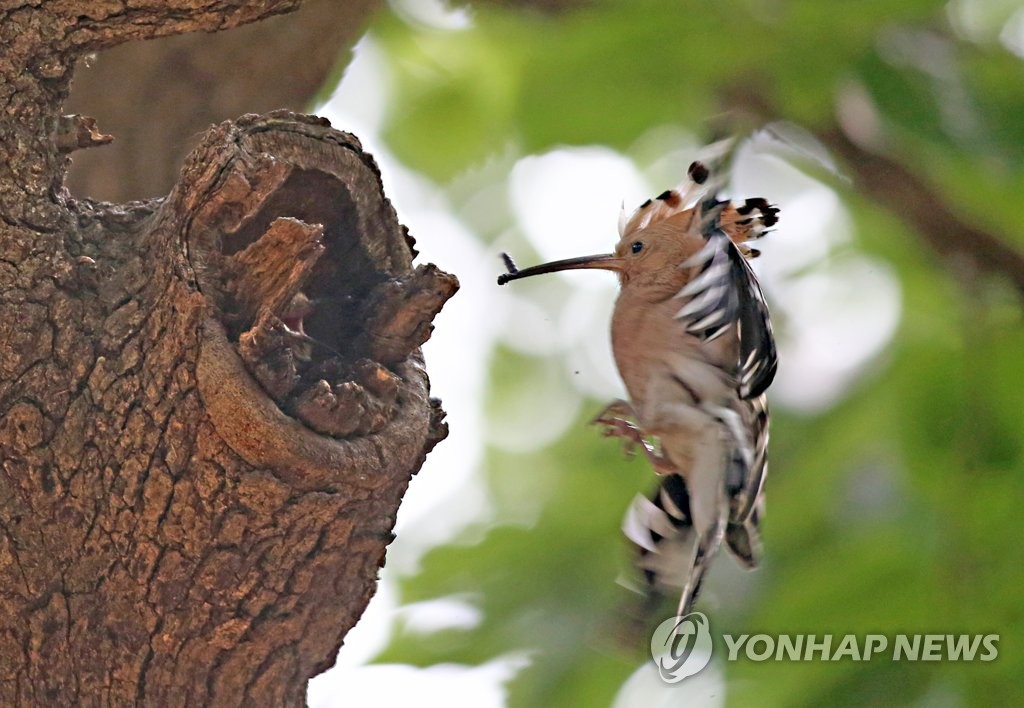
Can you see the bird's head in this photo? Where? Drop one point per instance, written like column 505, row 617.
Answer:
column 659, row 236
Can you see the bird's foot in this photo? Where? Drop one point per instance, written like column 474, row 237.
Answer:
column 614, row 425
column 615, row 422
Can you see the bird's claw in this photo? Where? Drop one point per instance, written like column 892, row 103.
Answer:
column 614, row 419
column 620, row 428
column 632, row 435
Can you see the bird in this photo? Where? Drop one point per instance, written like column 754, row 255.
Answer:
column 692, row 340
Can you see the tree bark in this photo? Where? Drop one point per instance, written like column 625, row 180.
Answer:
column 210, row 404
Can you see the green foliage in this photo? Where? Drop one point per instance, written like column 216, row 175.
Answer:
column 936, row 423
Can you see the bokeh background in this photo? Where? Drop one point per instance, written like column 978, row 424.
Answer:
column 892, row 137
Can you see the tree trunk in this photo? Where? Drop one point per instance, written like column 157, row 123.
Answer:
column 159, row 97
column 210, row 404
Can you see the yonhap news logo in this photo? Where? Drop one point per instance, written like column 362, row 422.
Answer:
column 682, row 646
column 828, row 647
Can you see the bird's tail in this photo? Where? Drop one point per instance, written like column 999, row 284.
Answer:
column 669, row 552
column 671, row 555
column 743, row 538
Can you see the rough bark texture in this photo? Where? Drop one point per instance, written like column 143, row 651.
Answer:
column 173, row 528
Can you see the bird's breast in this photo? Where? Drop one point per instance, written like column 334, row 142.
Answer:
column 668, row 373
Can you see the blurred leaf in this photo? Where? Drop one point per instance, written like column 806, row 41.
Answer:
column 894, row 511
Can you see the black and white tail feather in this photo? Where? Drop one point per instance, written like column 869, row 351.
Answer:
column 722, row 297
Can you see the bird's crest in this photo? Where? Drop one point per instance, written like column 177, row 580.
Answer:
column 693, row 190
column 741, row 222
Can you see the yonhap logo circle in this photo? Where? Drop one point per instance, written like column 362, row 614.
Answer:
column 681, row 646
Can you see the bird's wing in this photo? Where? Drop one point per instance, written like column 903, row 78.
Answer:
column 745, row 490
column 723, row 297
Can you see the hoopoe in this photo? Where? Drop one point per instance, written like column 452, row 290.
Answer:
column 693, row 343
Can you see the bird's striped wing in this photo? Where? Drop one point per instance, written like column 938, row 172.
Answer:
column 724, row 297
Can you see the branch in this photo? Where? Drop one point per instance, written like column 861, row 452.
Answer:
column 35, row 72
column 89, row 25
column 908, row 196
column 169, row 92
column 916, row 202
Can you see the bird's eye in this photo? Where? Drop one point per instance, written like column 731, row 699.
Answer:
column 638, row 246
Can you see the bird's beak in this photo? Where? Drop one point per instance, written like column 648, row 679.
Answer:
column 605, row 261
